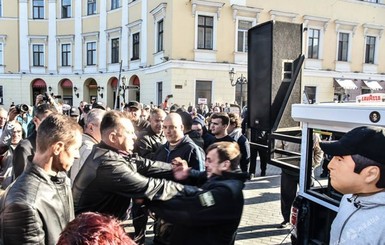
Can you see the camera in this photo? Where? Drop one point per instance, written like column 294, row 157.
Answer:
column 22, row 108
column 47, row 97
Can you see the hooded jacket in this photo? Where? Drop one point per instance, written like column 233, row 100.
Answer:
column 186, row 149
column 360, row 220
column 209, row 217
column 36, row 208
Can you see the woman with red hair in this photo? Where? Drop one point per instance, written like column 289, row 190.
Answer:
column 94, row 228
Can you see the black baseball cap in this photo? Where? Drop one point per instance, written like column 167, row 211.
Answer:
column 133, row 104
column 366, row 141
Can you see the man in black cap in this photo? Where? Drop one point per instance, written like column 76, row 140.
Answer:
column 134, row 110
column 357, row 170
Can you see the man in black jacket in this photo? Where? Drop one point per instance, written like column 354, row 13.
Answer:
column 111, row 175
column 212, row 215
column 152, row 137
column 27, row 147
column 36, row 208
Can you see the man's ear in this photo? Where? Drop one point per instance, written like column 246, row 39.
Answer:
column 112, row 136
column 58, row 147
column 372, row 174
column 226, row 165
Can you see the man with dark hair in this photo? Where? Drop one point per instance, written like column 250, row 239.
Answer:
column 27, row 147
column 38, row 205
column 187, row 121
column 218, row 126
column 111, row 175
column 134, row 110
column 212, row 215
column 357, row 170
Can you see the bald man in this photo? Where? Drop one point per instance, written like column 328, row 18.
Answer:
column 179, row 145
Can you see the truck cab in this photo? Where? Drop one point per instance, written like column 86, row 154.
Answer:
column 316, row 205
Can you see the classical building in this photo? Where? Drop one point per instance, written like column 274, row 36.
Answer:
column 121, row 50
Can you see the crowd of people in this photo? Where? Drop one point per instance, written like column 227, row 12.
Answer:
column 104, row 165
column 71, row 177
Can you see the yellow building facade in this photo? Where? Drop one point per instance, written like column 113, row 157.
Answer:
column 120, row 50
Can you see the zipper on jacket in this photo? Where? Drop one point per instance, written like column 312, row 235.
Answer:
column 346, row 221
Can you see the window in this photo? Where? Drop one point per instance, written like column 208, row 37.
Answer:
column 160, row 36
column 313, row 44
column 66, row 8
column 115, row 4
column 287, row 70
column 1, row 8
column 1, row 54
column 38, row 54
column 135, row 46
column 159, row 87
column 205, row 32
column 310, row 94
column 203, row 91
column 66, row 54
column 243, row 27
column 91, row 53
column 38, row 9
column 91, row 7
column 343, row 45
column 1, row 95
column 369, row 49
column 115, row 50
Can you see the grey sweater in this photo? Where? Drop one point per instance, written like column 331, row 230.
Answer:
column 360, row 220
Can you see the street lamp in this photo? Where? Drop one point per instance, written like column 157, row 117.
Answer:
column 123, row 87
column 240, row 80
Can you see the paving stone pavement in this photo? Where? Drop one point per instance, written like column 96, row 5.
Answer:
column 261, row 214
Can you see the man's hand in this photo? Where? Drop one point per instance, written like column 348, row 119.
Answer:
column 180, row 168
column 12, row 114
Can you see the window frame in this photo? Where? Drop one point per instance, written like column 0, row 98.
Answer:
column 67, row 54
column 341, row 46
column 135, row 46
column 38, row 8
column 367, row 52
column 39, row 54
column 91, row 53
column 67, row 9
column 1, row 8
column 115, row 50
column 1, row 53
column 198, row 26
column 160, row 35
column 91, row 5
column 115, row 4
column 159, row 92
column 244, row 46
column 310, row 43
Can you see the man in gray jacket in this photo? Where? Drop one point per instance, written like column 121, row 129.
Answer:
column 357, row 170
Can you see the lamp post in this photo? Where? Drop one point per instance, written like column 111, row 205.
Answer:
column 123, row 87
column 240, row 80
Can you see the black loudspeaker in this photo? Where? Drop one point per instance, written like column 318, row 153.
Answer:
column 274, row 62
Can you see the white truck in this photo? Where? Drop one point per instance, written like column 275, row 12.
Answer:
column 317, row 202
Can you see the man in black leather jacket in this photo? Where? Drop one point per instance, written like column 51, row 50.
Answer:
column 212, row 215
column 38, row 205
column 111, row 175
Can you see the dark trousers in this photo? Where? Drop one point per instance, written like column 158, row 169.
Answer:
column 139, row 220
column 289, row 185
column 253, row 160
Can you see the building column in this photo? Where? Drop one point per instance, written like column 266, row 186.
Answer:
column 102, row 50
column 78, row 49
column 24, row 52
column 52, row 47
column 143, row 33
column 124, row 36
